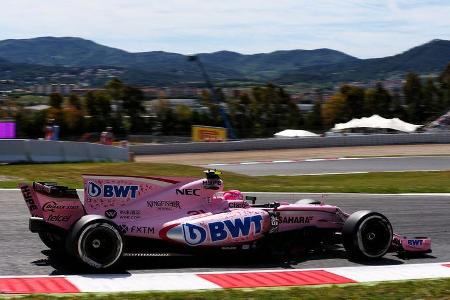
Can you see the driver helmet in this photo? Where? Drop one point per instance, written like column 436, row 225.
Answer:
column 233, row 195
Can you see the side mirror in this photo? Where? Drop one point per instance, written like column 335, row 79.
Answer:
column 251, row 198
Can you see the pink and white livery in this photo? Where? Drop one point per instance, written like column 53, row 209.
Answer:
column 122, row 215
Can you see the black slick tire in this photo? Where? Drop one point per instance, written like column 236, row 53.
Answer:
column 367, row 235
column 96, row 241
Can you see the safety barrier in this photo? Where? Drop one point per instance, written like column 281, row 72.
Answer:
column 292, row 143
column 13, row 151
column 39, row 151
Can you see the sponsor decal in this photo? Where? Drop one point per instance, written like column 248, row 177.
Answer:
column 58, row 218
column 142, row 229
column 164, row 205
column 274, row 222
column 111, row 214
column 295, row 220
column 26, row 192
column 238, row 204
column 238, row 227
column 219, row 231
column 123, row 228
column 112, row 190
column 52, row 206
column 415, row 242
column 188, row 192
column 130, row 214
column 212, row 183
column 194, row 234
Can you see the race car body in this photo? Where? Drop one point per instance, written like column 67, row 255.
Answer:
column 189, row 214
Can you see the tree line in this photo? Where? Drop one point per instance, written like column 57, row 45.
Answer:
column 259, row 112
column 419, row 101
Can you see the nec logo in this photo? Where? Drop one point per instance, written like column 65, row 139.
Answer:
column 112, row 190
column 188, row 192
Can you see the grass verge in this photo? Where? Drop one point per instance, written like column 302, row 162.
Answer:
column 70, row 175
column 414, row 289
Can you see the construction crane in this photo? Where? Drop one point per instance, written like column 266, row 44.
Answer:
column 215, row 97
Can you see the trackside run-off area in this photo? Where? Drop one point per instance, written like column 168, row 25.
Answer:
column 219, row 280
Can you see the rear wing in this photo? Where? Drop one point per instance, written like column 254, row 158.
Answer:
column 55, row 204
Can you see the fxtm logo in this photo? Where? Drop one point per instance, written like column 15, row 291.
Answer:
column 112, row 190
column 219, row 231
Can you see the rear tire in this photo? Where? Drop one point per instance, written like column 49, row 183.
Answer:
column 367, row 235
column 96, row 241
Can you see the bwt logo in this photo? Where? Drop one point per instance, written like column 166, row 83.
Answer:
column 219, row 231
column 112, row 190
column 194, row 234
column 415, row 242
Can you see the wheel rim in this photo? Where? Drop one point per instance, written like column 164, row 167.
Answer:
column 100, row 245
column 374, row 236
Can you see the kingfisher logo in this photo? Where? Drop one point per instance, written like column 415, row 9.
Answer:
column 112, row 190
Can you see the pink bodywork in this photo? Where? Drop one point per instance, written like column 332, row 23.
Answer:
column 193, row 212
column 416, row 244
column 59, row 211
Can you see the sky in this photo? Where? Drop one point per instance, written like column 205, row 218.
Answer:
column 365, row 29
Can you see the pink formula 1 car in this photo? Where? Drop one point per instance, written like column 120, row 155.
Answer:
column 122, row 215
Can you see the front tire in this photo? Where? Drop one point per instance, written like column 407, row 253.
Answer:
column 367, row 235
column 96, row 241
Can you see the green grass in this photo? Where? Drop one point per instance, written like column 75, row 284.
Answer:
column 70, row 174
column 417, row 289
column 32, row 100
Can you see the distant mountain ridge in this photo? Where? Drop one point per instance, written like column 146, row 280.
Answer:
column 165, row 68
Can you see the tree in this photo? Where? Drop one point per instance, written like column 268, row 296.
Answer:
column 98, row 108
column 433, row 100
column 184, row 119
column 354, row 99
column 397, row 108
column 314, row 118
column 115, row 88
column 412, row 89
column 335, row 110
column 73, row 119
column 377, row 101
column 75, row 101
column 56, row 100
column 444, row 82
column 166, row 117
column 133, row 99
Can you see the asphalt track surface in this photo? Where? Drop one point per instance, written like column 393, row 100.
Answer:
column 22, row 253
column 338, row 166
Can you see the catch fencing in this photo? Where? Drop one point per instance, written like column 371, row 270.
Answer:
column 40, row 151
column 293, row 143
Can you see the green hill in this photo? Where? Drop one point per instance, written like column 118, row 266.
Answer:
column 27, row 59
